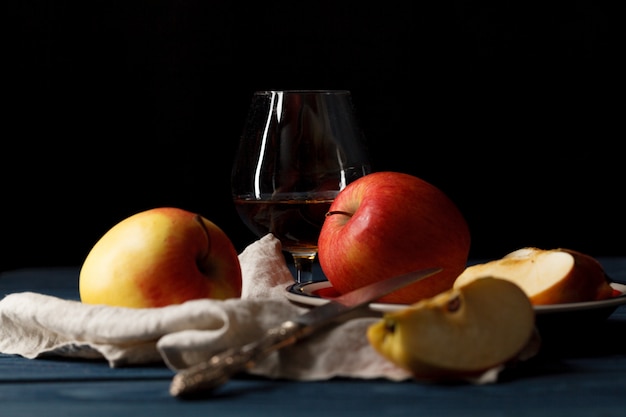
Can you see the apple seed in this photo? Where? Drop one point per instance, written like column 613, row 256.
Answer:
column 390, row 326
column 454, row 304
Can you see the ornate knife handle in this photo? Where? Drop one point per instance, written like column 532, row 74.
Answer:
column 208, row 375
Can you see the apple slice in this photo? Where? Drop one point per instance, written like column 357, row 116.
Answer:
column 548, row 276
column 459, row 333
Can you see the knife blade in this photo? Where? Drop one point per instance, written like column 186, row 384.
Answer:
column 208, row 375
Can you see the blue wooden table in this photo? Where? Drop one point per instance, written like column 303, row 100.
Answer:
column 581, row 371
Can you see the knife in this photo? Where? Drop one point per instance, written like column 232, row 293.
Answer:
column 208, row 375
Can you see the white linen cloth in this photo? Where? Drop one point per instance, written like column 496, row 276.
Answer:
column 36, row 325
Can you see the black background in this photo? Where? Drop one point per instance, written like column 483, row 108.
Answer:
column 514, row 109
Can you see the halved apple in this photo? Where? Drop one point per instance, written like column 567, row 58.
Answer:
column 458, row 333
column 547, row 276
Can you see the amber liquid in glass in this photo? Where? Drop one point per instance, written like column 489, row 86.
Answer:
column 296, row 223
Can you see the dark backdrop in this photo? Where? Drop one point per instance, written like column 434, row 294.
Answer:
column 511, row 108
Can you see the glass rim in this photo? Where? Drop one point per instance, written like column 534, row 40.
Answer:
column 302, row 91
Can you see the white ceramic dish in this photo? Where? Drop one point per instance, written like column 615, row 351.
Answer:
column 308, row 294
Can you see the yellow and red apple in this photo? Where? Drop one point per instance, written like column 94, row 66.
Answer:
column 159, row 257
column 459, row 333
column 548, row 276
column 389, row 223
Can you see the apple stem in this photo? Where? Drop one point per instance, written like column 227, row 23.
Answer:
column 330, row 213
column 198, row 219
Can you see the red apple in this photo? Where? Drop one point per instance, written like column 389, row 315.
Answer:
column 159, row 257
column 389, row 223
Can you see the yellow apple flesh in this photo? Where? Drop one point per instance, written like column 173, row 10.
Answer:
column 548, row 276
column 459, row 333
column 159, row 257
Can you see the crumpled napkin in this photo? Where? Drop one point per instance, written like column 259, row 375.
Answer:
column 36, row 325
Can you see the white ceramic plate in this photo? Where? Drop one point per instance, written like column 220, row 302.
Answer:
column 308, row 294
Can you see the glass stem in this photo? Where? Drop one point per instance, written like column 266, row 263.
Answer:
column 304, row 267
